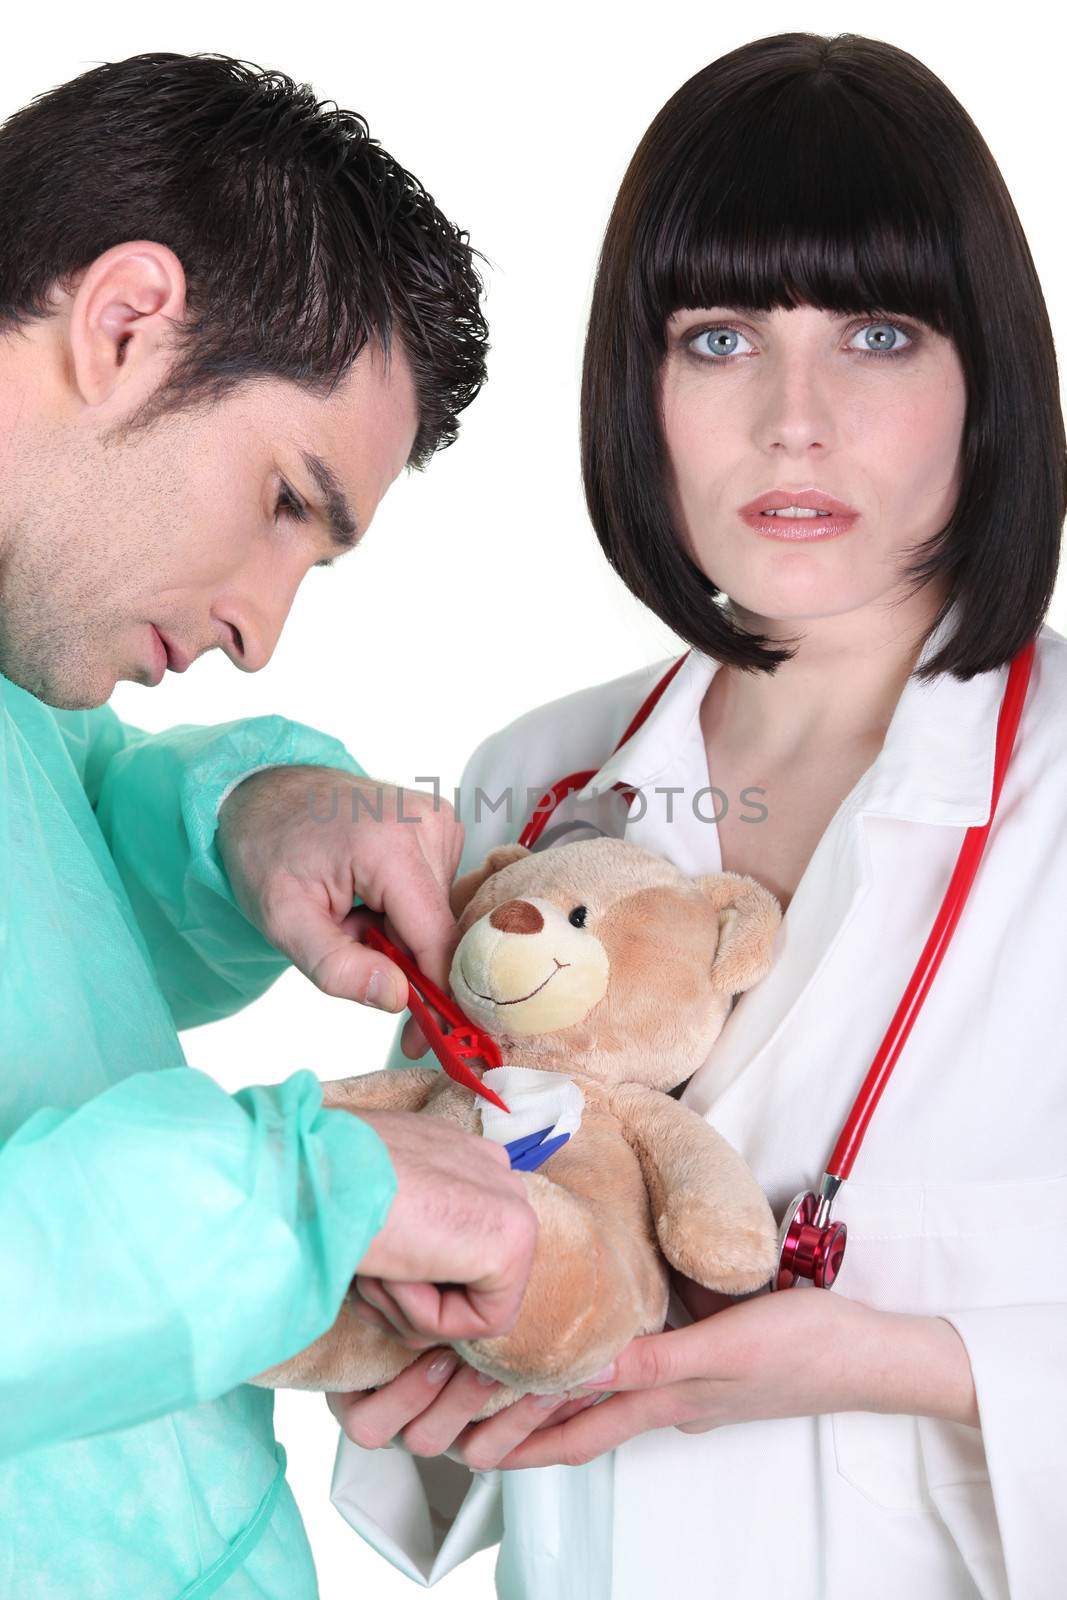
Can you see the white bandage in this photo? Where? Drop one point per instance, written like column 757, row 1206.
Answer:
column 535, row 1100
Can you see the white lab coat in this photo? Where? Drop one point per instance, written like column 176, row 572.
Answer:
column 957, row 1206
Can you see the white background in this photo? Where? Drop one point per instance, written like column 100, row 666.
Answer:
column 481, row 589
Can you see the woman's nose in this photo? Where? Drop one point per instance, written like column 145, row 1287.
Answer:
column 796, row 410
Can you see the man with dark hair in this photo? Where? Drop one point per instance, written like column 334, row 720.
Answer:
column 228, row 319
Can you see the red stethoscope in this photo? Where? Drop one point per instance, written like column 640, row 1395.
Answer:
column 810, row 1245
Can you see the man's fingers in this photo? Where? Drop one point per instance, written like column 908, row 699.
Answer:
column 444, row 1315
column 413, row 1041
column 381, row 1297
column 417, row 1306
column 456, row 1247
column 439, row 1316
column 422, row 1314
column 419, row 1314
column 415, row 902
column 331, row 955
column 371, row 1315
column 455, row 852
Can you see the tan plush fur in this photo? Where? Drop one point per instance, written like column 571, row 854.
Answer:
column 627, row 1001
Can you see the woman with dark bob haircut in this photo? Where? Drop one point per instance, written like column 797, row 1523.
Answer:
column 821, row 439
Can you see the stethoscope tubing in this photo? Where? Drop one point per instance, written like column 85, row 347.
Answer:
column 816, row 1207
column 852, row 1134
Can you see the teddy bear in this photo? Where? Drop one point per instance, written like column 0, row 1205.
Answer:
column 605, row 974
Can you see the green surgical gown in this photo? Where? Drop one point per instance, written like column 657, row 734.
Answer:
column 161, row 1241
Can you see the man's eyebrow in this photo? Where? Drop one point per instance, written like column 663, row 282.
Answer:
column 344, row 530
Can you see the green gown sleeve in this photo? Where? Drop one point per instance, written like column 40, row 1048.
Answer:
column 156, row 797
column 166, row 1241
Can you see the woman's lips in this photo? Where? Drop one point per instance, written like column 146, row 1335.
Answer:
column 827, row 516
column 822, row 526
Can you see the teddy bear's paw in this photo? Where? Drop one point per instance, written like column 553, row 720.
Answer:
column 350, row 1356
column 741, row 1264
column 734, row 1255
column 510, row 1393
column 500, row 1399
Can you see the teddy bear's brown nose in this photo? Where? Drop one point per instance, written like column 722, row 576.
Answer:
column 517, row 916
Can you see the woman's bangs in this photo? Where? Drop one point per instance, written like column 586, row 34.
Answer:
column 834, row 210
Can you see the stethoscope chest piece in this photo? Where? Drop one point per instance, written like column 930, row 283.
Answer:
column 808, row 1248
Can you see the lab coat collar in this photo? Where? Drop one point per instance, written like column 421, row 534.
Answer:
column 935, row 765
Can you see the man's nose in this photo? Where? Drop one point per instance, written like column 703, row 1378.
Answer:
column 251, row 642
column 254, row 626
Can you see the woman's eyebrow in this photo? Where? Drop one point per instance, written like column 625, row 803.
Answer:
column 344, row 529
column 727, row 308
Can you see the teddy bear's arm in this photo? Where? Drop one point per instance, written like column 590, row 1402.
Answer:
column 711, row 1217
column 392, row 1089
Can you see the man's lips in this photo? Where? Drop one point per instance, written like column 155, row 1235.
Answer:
column 177, row 660
column 493, row 1001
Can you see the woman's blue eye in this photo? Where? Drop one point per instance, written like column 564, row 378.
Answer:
column 720, row 343
column 883, row 331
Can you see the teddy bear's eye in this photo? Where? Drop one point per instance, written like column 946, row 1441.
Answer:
column 578, row 916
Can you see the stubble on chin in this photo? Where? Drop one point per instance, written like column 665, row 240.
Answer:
column 58, row 667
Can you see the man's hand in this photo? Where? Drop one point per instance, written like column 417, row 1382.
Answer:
column 299, row 844
column 460, row 1219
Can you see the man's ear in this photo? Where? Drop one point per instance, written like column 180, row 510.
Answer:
column 464, row 889
column 749, row 917
column 121, row 320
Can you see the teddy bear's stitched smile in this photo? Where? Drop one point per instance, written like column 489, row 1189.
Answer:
column 518, row 1001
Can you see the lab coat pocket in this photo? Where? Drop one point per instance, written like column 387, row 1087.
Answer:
column 880, row 1455
column 929, row 1249
column 985, row 1245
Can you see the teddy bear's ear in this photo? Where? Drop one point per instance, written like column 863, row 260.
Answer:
column 749, row 916
column 464, row 889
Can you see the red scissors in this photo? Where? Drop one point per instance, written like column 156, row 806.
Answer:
column 463, row 1041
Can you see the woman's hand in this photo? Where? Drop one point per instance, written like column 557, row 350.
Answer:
column 799, row 1353
column 432, row 1402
